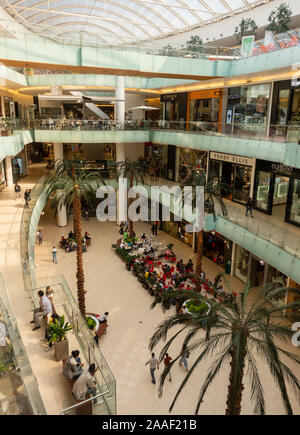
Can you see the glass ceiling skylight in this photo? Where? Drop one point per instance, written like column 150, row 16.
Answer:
column 120, row 21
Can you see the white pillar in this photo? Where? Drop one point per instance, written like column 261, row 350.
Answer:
column 233, row 258
column 62, row 220
column 2, row 106
column 9, row 171
column 120, row 94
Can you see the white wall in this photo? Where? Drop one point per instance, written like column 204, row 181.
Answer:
column 135, row 100
column 226, row 27
column 134, row 150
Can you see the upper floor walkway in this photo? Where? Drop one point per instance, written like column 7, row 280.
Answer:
column 277, row 143
column 42, row 52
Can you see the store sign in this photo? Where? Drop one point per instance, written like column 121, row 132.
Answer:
column 239, row 160
column 282, row 169
column 247, row 45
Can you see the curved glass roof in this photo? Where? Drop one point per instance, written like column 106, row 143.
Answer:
column 120, row 21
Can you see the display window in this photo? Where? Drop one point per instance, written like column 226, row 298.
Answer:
column 263, row 189
column 294, row 215
column 241, row 183
column 191, row 159
column 242, row 264
column 177, row 229
column 248, row 107
column 218, row 249
column 204, row 110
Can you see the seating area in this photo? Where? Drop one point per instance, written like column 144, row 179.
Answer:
column 69, row 244
column 155, row 267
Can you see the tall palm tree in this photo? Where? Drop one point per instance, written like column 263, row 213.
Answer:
column 212, row 189
column 68, row 187
column 135, row 171
column 234, row 331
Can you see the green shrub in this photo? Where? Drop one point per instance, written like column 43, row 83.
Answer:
column 91, row 323
column 194, row 308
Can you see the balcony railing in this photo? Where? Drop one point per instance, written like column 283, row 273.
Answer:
column 244, row 130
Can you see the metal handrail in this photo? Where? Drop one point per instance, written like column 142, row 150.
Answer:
column 83, row 402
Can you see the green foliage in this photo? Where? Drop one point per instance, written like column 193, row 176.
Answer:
column 170, row 246
column 91, row 323
column 5, row 366
column 59, row 329
column 125, row 256
column 194, row 44
column 280, row 18
column 245, row 28
column 69, row 182
column 238, row 336
column 168, row 50
column 196, row 308
column 130, row 239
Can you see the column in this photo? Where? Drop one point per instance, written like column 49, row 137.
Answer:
column 233, row 258
column 120, row 147
column 9, row 171
column 2, row 106
column 120, row 94
column 62, row 220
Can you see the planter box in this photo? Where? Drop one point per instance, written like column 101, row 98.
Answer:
column 61, row 349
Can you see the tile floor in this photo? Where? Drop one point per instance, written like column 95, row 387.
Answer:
column 110, row 287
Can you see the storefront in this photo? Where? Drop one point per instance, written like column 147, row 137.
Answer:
column 236, row 172
column 2, row 176
column 277, row 190
column 158, row 156
column 285, row 110
column 19, row 166
column 177, row 230
column 205, row 109
column 173, row 108
column 247, row 109
column 190, row 159
column 218, row 249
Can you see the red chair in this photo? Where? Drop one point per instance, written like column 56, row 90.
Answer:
column 158, row 263
column 181, row 285
column 173, row 260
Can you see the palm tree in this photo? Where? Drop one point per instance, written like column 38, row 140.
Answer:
column 69, row 186
column 234, row 330
column 212, row 189
column 135, row 171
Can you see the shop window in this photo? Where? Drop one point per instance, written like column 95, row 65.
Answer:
column 263, row 188
column 242, row 264
column 242, row 181
column 295, row 209
column 281, row 190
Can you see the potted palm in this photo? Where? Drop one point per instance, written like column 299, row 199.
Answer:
column 279, row 20
column 58, row 331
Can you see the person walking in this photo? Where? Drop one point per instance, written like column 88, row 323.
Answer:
column 167, row 361
column 153, row 363
column 44, row 309
column 40, row 236
column 156, row 227
column 26, row 197
column 183, row 360
column 17, row 189
column 153, row 229
column 249, row 207
column 54, row 257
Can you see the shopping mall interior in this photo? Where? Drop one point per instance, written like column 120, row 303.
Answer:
column 165, row 95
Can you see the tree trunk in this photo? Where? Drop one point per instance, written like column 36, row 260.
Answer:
column 131, row 231
column 199, row 260
column 78, row 237
column 234, row 397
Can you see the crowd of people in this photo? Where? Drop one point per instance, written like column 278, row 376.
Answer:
column 69, row 244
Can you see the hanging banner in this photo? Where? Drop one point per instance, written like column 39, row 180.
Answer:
column 247, row 45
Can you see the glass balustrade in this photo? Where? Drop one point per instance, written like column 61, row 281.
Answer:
column 67, row 306
column 19, row 393
column 243, row 130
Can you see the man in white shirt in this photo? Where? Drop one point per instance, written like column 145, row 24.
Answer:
column 153, row 362
column 103, row 317
column 85, row 384
column 44, row 309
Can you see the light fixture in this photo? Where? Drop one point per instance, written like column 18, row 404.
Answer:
column 262, row 263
